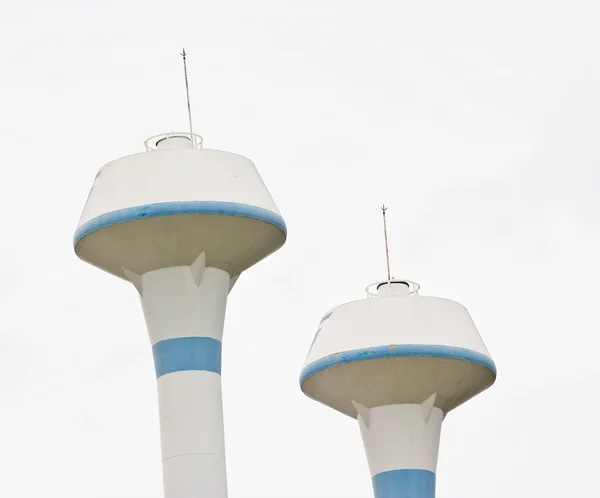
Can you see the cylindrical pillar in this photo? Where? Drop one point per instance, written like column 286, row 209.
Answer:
column 402, row 442
column 185, row 311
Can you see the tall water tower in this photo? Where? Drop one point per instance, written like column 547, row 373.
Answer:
column 398, row 362
column 181, row 223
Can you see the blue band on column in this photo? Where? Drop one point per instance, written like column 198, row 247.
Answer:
column 404, row 483
column 187, row 353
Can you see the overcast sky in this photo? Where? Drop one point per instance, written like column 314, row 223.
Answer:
column 475, row 122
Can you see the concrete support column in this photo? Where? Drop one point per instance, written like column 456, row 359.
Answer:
column 184, row 309
column 402, row 443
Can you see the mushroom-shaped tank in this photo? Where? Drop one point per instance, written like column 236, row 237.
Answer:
column 181, row 223
column 166, row 206
column 398, row 362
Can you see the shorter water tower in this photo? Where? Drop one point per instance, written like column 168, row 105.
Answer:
column 398, row 363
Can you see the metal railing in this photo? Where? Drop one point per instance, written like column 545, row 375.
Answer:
column 413, row 287
column 195, row 139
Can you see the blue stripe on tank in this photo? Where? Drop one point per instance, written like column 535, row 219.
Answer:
column 187, row 353
column 405, row 483
column 404, row 350
column 315, row 338
column 326, row 317
column 173, row 208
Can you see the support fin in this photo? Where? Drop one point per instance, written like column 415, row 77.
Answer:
column 197, row 268
column 232, row 281
column 427, row 406
column 363, row 412
column 135, row 279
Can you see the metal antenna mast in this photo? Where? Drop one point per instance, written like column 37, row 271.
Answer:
column 387, row 254
column 187, row 91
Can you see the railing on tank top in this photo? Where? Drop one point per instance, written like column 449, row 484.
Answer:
column 152, row 142
column 413, row 287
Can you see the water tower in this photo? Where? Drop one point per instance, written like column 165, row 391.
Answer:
column 398, row 363
column 182, row 223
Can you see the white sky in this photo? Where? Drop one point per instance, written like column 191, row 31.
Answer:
column 476, row 122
